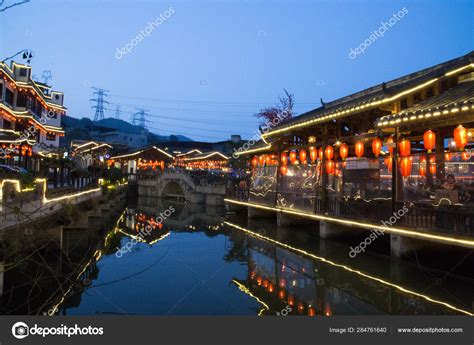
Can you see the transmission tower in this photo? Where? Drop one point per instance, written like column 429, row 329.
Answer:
column 140, row 118
column 100, row 96
column 47, row 76
column 117, row 112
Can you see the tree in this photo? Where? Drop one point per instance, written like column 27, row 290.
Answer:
column 282, row 110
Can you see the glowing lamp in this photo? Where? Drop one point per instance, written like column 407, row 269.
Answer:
column 433, row 169
column 460, row 137
column 429, row 139
column 283, row 170
column 422, row 170
column 432, row 159
column 465, row 156
column 329, row 152
column 281, row 294
column 330, row 167
column 388, row 162
column 320, row 154
column 343, row 151
column 405, row 166
column 261, row 160
column 376, row 146
column 291, row 301
column 447, row 156
column 390, row 145
column 404, row 147
column 300, row 307
column 359, row 149
column 292, row 157
column 284, row 159
column 313, row 154
column 303, row 156
column 311, row 311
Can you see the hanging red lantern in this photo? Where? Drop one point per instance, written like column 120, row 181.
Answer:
column 329, row 167
column 429, row 140
column 465, row 156
column 460, row 137
column 405, row 166
column 404, row 147
column 422, row 159
column 422, row 170
column 162, row 164
column 447, row 157
column 329, row 152
column 376, row 146
column 268, row 160
column 284, row 170
column 284, row 159
column 313, row 154
column 303, row 156
column 254, row 161
column 261, row 160
column 359, row 149
column 320, row 154
column 433, row 169
column 432, row 159
column 388, row 162
column 343, row 151
column 292, row 157
column 390, row 145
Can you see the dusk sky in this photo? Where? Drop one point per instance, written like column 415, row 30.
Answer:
column 211, row 65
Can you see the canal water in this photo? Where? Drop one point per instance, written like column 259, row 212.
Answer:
column 164, row 258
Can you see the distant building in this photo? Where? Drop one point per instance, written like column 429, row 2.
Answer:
column 131, row 139
column 30, row 117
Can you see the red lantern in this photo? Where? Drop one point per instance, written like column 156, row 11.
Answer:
column 313, row 154
column 447, row 156
column 343, row 151
column 460, row 137
column 422, row 170
column 261, row 159
column 284, row 159
column 376, row 146
column 292, row 157
column 329, row 152
column 320, row 154
column 432, row 159
column 254, row 161
column 429, row 139
column 422, row 159
column 433, row 169
column 268, row 160
column 162, row 164
column 465, row 156
column 359, row 149
column 404, row 147
column 284, row 170
column 405, row 166
column 388, row 162
column 303, row 156
column 390, row 145
column 329, row 167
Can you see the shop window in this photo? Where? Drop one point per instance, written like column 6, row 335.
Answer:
column 9, row 97
column 23, row 72
column 21, row 100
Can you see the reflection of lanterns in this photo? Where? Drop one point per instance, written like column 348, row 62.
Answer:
column 376, row 146
column 433, row 169
column 404, row 147
column 320, row 153
column 270, row 287
column 429, row 139
column 292, row 157
column 405, row 166
column 282, row 282
column 303, row 156
column 162, row 164
column 284, row 170
column 422, row 159
column 311, row 311
column 261, row 160
column 329, row 152
column 284, row 159
column 422, row 170
column 447, row 156
column 359, row 149
column 465, row 156
column 259, row 280
column 460, row 137
column 388, row 162
column 390, row 145
column 432, row 159
column 265, row 283
column 329, row 167
column 327, row 310
column 300, row 307
column 343, row 151
column 281, row 294
column 313, row 154
column 291, row 301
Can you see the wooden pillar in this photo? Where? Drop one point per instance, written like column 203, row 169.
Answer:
column 397, row 182
column 324, row 176
column 440, row 162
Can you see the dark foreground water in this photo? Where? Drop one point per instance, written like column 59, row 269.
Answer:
column 202, row 261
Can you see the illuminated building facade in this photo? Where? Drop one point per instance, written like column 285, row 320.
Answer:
column 197, row 160
column 30, row 117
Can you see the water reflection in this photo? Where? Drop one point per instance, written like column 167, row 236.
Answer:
column 199, row 260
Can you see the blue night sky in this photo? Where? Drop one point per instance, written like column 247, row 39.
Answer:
column 211, row 65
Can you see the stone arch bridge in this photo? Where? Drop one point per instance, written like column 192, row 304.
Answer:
column 181, row 186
